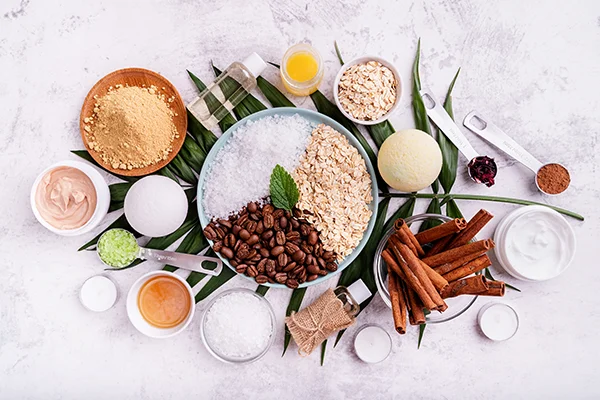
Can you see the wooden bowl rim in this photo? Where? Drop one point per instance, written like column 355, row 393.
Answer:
column 177, row 143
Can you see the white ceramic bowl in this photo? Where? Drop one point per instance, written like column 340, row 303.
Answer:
column 501, row 246
column 102, row 198
column 362, row 60
column 133, row 312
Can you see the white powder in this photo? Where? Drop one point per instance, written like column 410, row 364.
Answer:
column 238, row 325
column 241, row 170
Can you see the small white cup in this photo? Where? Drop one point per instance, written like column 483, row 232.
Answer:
column 102, row 198
column 135, row 316
column 363, row 60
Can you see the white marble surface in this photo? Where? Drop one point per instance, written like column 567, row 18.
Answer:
column 531, row 66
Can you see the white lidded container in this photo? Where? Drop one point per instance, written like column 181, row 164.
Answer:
column 102, row 197
column 534, row 243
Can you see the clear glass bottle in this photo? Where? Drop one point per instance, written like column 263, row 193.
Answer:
column 352, row 296
column 227, row 91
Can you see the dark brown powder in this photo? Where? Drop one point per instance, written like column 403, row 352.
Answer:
column 553, row 178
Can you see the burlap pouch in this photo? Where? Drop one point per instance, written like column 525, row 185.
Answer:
column 310, row 326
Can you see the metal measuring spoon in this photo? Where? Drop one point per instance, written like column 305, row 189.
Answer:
column 185, row 261
column 495, row 136
column 482, row 169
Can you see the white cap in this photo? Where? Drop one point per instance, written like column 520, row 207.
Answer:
column 255, row 64
column 359, row 291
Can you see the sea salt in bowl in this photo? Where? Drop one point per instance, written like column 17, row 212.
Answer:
column 238, row 326
column 314, row 118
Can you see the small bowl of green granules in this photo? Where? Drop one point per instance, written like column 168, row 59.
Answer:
column 118, row 248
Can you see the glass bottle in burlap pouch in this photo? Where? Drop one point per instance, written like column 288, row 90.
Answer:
column 334, row 310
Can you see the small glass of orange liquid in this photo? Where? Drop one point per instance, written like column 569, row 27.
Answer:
column 301, row 69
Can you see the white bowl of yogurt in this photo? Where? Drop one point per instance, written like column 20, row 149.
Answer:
column 534, row 243
column 70, row 198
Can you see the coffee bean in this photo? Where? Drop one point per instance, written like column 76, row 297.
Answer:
column 260, row 228
column 295, row 224
column 253, row 239
column 251, row 271
column 210, row 233
column 268, row 221
column 306, row 248
column 283, row 222
column 256, row 257
column 312, row 277
column 270, row 269
column 328, row 256
column 272, row 243
column 277, row 250
column 313, row 269
column 244, row 234
column 250, row 226
column 281, row 277
column 243, row 251
column 217, row 246
column 310, row 260
column 296, row 213
column 241, row 269
column 267, row 235
column 280, row 238
column 291, row 248
column 276, row 226
column 234, row 263
column 237, row 245
column 293, row 235
column 268, row 209
column 322, row 272
column 299, row 256
column 252, row 207
column 219, row 232
column 331, row 266
column 318, row 250
column 254, row 217
column 298, row 270
column 291, row 283
column 226, row 252
column 262, row 265
column 225, row 223
column 278, row 213
column 304, row 230
column 265, row 252
column 242, row 220
column 260, row 279
column 313, row 237
column 290, row 267
column 236, row 230
column 282, row 260
column 321, row 262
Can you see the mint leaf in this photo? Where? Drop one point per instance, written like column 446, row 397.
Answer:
column 284, row 192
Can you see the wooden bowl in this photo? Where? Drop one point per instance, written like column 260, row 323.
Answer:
column 136, row 77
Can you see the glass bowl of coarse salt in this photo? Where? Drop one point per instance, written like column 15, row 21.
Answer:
column 238, row 326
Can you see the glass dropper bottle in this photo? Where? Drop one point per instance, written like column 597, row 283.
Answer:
column 227, row 91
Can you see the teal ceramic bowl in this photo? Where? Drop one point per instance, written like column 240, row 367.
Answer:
column 314, row 118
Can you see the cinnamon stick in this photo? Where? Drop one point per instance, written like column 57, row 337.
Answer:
column 469, row 268
column 440, row 231
column 440, row 245
column 474, row 225
column 399, row 266
column 449, row 256
column 403, row 251
column 438, row 280
column 445, row 268
column 474, row 285
column 497, row 288
column 408, row 237
column 398, row 303
column 416, row 315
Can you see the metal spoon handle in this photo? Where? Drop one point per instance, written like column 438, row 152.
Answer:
column 186, row 261
column 494, row 135
column 440, row 117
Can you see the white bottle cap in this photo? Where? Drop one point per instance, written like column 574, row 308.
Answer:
column 255, row 64
column 359, row 291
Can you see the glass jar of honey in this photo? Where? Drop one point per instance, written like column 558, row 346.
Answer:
column 301, row 69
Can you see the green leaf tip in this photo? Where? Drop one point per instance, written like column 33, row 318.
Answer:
column 283, row 189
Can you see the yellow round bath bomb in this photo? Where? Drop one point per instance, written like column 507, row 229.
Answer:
column 409, row 160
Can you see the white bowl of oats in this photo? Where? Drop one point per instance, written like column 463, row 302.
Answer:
column 367, row 90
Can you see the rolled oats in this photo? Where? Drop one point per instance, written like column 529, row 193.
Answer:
column 367, row 91
column 335, row 190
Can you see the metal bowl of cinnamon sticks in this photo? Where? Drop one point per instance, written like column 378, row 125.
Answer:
column 435, row 275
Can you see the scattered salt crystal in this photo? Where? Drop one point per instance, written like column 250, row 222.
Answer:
column 241, row 170
column 238, row 325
